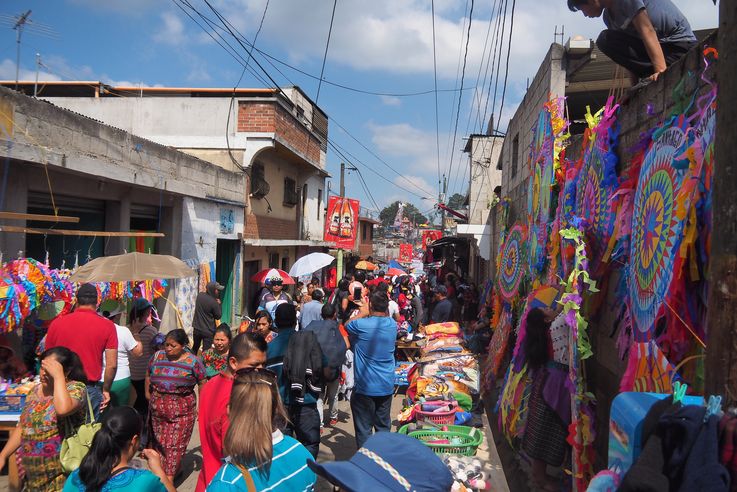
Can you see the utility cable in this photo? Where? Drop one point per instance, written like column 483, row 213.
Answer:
column 232, row 99
column 241, row 40
column 460, row 98
column 435, row 76
column 325, row 55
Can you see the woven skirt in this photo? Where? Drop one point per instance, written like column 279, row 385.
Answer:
column 545, row 434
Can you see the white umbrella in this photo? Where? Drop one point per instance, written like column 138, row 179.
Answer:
column 310, row 264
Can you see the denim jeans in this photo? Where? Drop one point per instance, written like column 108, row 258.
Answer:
column 94, row 392
column 306, row 426
column 369, row 413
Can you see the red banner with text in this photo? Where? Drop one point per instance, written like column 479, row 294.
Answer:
column 341, row 222
column 405, row 253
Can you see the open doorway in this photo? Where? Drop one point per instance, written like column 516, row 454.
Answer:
column 225, row 268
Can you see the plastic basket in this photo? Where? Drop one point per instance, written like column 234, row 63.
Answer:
column 11, row 404
column 440, row 418
column 477, row 435
column 462, row 444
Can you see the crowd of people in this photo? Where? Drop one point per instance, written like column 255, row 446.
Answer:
column 257, row 395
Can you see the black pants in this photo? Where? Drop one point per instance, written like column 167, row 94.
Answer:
column 141, row 405
column 369, row 413
column 205, row 340
column 306, row 426
column 629, row 51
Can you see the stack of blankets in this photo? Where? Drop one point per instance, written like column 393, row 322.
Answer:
column 446, row 370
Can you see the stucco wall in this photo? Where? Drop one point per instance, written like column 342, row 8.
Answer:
column 549, row 80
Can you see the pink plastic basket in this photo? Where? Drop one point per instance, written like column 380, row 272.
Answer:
column 441, row 418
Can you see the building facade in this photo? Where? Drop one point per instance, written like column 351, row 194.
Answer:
column 276, row 138
column 60, row 162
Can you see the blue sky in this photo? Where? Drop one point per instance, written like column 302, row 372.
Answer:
column 378, row 45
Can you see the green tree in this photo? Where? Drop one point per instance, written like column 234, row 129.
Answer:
column 410, row 211
column 456, row 202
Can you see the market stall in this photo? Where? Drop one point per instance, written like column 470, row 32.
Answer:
column 442, row 393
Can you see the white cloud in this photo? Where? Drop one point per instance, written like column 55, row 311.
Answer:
column 171, row 31
column 7, row 72
column 390, row 100
column 128, row 7
column 418, row 182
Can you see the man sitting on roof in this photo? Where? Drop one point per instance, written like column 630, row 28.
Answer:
column 643, row 36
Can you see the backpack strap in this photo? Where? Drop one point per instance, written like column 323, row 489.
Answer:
column 250, row 484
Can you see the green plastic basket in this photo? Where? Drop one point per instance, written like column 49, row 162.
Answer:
column 467, row 443
column 461, row 429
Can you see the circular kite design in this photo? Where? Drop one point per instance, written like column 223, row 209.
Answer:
column 511, row 269
column 593, row 205
column 656, row 232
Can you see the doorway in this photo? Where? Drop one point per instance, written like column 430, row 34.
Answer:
column 225, row 261
column 251, row 289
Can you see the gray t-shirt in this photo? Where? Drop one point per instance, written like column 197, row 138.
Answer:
column 670, row 24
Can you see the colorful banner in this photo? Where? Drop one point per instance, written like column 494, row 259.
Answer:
column 429, row 236
column 341, row 225
column 405, row 253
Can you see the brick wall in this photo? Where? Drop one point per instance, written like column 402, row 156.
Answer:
column 269, row 117
column 260, row 227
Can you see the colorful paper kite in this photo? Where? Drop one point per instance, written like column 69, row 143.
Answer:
column 512, row 269
column 656, row 230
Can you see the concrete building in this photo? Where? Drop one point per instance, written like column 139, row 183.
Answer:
column 60, row 161
column 365, row 236
column 581, row 73
column 484, row 179
column 277, row 137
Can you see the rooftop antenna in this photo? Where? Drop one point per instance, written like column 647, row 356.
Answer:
column 19, row 25
column 562, row 34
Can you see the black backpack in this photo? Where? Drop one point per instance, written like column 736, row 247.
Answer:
column 332, row 345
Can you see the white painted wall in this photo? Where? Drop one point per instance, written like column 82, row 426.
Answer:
column 181, row 122
column 313, row 224
column 484, row 176
column 201, row 228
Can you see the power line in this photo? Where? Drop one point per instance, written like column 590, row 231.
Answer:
column 497, row 58
column 341, row 151
column 490, row 64
column 506, row 72
column 238, row 58
column 232, row 98
column 435, row 73
column 463, row 75
column 382, row 161
column 325, row 56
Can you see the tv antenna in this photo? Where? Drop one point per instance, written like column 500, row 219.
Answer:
column 19, row 23
column 562, row 34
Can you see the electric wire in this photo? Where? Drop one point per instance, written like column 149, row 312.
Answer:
column 435, row 76
column 238, row 58
column 232, row 98
column 460, row 97
column 349, row 157
column 325, row 55
column 506, row 74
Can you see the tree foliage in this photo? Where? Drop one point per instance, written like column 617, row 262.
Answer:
column 456, row 202
column 410, row 211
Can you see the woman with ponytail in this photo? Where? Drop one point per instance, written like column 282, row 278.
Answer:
column 106, row 468
column 259, row 456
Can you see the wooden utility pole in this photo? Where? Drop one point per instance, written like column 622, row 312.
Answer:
column 721, row 351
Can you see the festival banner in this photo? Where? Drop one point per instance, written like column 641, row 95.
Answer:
column 405, row 253
column 341, row 224
column 429, row 236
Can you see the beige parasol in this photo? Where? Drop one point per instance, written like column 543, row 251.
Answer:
column 132, row 266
